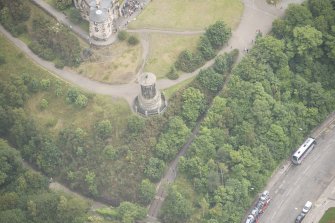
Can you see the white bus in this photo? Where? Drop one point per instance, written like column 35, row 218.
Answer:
column 304, row 149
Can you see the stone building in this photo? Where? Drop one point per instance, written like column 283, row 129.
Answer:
column 150, row 101
column 100, row 14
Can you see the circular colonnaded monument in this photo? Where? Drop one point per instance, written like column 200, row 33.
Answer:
column 150, row 101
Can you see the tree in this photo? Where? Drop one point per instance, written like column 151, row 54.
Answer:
column 306, row 39
column 193, row 104
column 129, row 212
column 91, row 182
column 298, row 15
column 224, row 63
column 210, row 80
column 103, row 129
column 188, row 61
column 81, row 101
column 176, row 208
column 10, row 164
column 205, row 48
column 135, row 124
column 277, row 141
column 154, row 169
column 43, row 104
column 269, row 50
column 173, row 73
column 218, row 34
column 147, row 191
column 12, row 216
column 133, row 40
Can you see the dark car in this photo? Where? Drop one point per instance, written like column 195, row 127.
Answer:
column 300, row 217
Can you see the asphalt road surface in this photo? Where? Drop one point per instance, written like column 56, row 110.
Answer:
column 306, row 182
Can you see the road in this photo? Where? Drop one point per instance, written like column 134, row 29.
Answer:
column 292, row 185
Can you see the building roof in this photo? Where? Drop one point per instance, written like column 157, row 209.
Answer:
column 147, row 79
column 98, row 15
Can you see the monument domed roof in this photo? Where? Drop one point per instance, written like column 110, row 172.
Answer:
column 147, row 79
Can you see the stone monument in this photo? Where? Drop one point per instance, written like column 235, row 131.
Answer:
column 150, row 101
column 101, row 15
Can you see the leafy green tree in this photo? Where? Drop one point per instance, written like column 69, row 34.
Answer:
column 188, row 61
column 129, row 212
column 171, row 141
column 81, row 101
column 306, row 38
column 269, row 50
column 43, row 104
column 205, row 48
column 218, row 34
column 210, row 80
column 103, row 129
column 10, row 163
column 91, row 182
column 224, row 63
column 133, row 40
column 135, row 124
column 12, row 216
column 147, row 191
column 298, row 15
column 193, row 104
column 154, row 169
column 176, row 208
column 173, row 73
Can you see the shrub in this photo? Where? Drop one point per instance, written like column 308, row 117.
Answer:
column 59, row 64
column 210, row 80
column 122, row 35
column 189, row 62
column 224, row 63
column 72, row 95
column 173, row 73
column 81, row 101
column 206, row 49
column 43, row 104
column 218, row 34
column 133, row 40
column 41, row 51
column 45, row 84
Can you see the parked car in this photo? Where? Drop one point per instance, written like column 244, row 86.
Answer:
column 307, row 207
column 300, row 217
column 265, row 196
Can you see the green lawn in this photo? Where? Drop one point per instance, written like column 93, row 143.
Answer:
column 162, row 56
column 329, row 216
column 188, row 14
